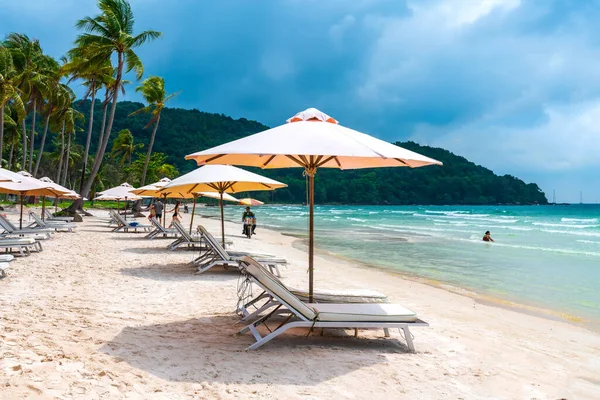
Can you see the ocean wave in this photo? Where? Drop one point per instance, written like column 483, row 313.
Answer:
column 565, row 225
column 400, row 212
column 576, row 233
column 356, row 219
column 588, row 241
column 471, row 218
column 592, row 220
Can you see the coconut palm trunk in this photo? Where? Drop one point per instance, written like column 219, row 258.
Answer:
column 32, row 137
column 62, row 152
column 42, row 144
column 150, row 149
column 98, row 161
column 24, row 144
column 10, row 156
column 67, row 159
column 89, row 135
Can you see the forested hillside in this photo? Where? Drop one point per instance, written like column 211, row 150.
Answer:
column 459, row 181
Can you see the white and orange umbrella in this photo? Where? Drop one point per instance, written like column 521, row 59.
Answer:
column 311, row 140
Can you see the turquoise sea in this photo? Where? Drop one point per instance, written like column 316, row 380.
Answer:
column 547, row 257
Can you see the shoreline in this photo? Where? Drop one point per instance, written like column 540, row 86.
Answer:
column 471, row 293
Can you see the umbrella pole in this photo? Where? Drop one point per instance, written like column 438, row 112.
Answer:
column 43, row 207
column 164, row 218
column 311, row 236
column 193, row 212
column 21, row 219
column 222, row 220
column 125, row 208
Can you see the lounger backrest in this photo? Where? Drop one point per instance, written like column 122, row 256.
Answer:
column 7, row 225
column 182, row 231
column 214, row 243
column 37, row 219
column 276, row 288
column 48, row 215
column 157, row 224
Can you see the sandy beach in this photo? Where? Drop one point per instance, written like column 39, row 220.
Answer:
column 101, row 315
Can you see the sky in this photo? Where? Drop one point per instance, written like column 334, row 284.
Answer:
column 512, row 85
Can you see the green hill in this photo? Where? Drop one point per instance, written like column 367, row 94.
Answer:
column 459, row 181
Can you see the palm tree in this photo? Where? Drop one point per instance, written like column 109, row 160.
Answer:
column 59, row 98
column 34, row 68
column 94, row 77
column 8, row 89
column 153, row 91
column 109, row 33
column 123, row 147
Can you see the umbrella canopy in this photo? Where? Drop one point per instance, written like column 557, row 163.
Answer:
column 121, row 192
column 9, row 176
column 215, row 195
column 311, row 139
column 68, row 193
column 26, row 186
column 221, row 179
column 250, row 202
column 152, row 189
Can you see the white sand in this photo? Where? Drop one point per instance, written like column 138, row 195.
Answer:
column 100, row 315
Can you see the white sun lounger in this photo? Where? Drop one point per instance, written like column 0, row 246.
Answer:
column 50, row 217
column 23, row 245
column 11, row 230
column 56, row 225
column 193, row 242
column 331, row 315
column 215, row 254
column 124, row 226
column 256, row 306
column 160, row 231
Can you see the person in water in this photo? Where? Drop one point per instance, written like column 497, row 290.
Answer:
column 487, row 237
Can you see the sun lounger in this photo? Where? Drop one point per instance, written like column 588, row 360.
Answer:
column 56, row 225
column 251, row 309
column 215, row 254
column 126, row 225
column 11, row 230
column 160, row 231
column 195, row 242
column 6, row 257
column 50, row 217
column 23, row 245
column 329, row 315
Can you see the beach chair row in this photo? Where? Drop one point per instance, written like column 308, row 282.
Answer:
column 24, row 241
column 283, row 307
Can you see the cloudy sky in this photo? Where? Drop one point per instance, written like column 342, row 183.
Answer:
column 512, row 85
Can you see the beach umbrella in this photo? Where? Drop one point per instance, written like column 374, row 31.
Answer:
column 26, row 186
column 68, row 193
column 311, row 140
column 250, row 202
column 118, row 193
column 221, row 179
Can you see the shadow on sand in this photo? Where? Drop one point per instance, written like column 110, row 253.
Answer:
column 181, row 272
column 210, row 350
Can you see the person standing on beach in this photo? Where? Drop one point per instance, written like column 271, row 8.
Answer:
column 487, row 237
column 175, row 213
column 159, row 210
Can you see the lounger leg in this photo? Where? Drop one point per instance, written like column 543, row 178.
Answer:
column 409, row 341
column 262, row 340
column 386, row 332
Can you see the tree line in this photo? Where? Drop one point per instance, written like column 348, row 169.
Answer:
column 35, row 92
